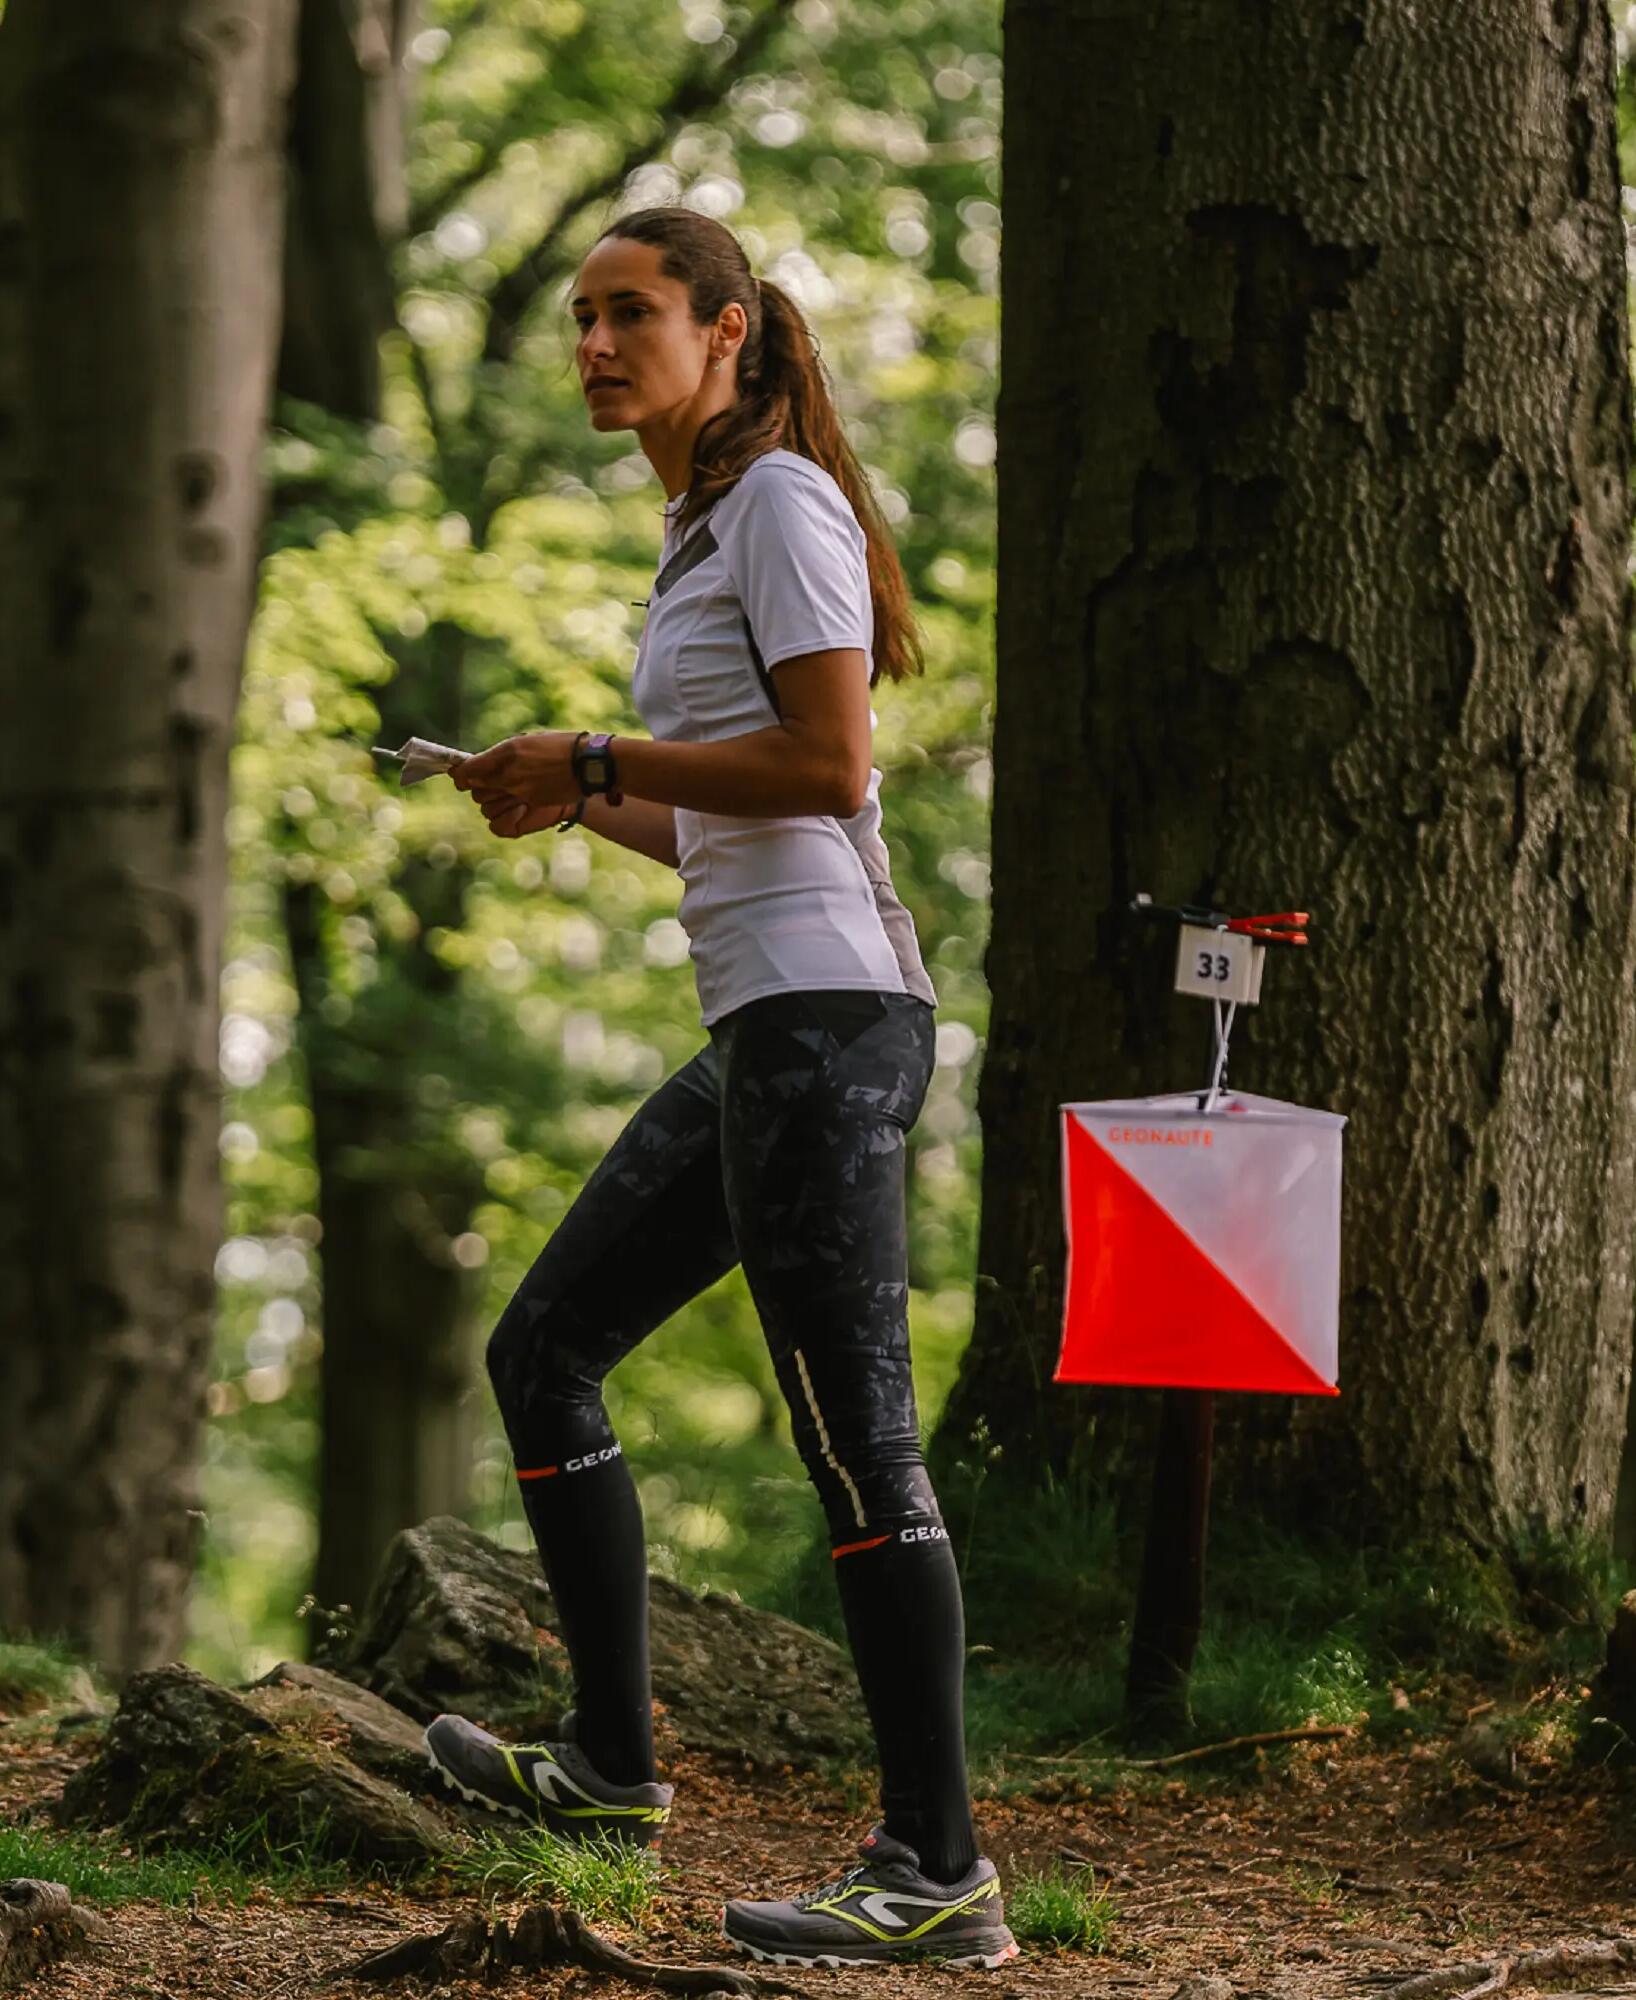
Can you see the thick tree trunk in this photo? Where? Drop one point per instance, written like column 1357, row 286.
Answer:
column 400, row 1360
column 1314, row 525
column 141, row 209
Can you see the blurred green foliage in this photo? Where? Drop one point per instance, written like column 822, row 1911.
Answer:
column 854, row 150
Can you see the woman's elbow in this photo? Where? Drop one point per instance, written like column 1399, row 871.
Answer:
column 851, row 790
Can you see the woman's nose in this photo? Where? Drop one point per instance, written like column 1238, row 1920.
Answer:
column 596, row 344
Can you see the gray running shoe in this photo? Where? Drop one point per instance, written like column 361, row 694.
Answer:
column 552, row 1784
column 880, row 1912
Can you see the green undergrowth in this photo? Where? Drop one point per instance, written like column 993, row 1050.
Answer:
column 41, row 1673
column 102, row 1868
column 1298, row 1630
column 1061, row 1907
column 599, row 1878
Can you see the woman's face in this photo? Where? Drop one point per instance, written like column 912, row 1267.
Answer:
column 635, row 330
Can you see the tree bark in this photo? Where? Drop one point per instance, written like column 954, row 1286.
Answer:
column 141, row 212
column 348, row 199
column 1314, row 520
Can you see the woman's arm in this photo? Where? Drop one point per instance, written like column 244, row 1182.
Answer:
column 637, row 824
column 815, row 759
column 642, row 825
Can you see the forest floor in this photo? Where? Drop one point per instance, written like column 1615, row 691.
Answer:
column 1336, row 1869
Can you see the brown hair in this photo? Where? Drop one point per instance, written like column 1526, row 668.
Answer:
column 784, row 400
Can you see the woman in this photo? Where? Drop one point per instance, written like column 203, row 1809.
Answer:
column 781, row 1144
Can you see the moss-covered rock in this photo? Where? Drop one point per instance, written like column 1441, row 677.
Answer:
column 188, row 1761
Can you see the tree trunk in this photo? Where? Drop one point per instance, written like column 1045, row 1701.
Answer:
column 348, row 197
column 1314, row 523
column 141, row 209
column 399, row 1364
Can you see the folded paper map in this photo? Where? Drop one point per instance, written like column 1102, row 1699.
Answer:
column 422, row 759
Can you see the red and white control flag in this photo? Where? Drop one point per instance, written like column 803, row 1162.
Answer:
column 1203, row 1250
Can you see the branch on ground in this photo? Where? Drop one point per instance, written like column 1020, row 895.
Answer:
column 1557, row 1965
column 1317, row 1733
column 542, row 1937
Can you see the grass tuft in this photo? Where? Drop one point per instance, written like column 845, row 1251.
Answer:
column 597, row 1878
column 1056, row 1907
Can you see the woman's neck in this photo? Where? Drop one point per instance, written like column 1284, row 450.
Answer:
column 669, row 440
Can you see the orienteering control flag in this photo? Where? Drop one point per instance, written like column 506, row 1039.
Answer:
column 1203, row 1249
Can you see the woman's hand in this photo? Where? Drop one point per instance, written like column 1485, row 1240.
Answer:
column 511, row 817
column 536, row 769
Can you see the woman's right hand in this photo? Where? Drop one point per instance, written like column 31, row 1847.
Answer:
column 511, row 817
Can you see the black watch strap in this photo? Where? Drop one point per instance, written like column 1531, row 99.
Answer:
column 595, row 766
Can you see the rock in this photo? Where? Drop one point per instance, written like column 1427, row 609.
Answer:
column 189, row 1761
column 40, row 1923
column 170, row 1720
column 746, row 1683
column 457, row 1623
column 1490, row 1753
column 376, row 1735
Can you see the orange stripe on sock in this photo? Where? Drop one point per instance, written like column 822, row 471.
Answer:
column 539, row 1472
column 851, row 1548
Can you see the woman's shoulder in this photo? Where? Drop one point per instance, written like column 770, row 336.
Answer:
column 785, row 475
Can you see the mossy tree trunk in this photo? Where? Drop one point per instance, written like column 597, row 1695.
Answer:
column 1314, row 526
column 141, row 210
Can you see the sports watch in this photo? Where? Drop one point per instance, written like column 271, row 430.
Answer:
column 594, row 766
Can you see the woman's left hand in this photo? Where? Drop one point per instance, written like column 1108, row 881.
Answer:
column 536, row 768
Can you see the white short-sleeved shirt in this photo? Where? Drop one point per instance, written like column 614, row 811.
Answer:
column 777, row 567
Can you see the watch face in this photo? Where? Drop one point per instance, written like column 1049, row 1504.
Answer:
column 595, row 767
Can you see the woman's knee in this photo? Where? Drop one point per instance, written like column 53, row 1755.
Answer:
column 868, row 1484
column 530, row 1355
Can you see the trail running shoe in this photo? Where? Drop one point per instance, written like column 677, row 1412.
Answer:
column 879, row 1912
column 552, row 1784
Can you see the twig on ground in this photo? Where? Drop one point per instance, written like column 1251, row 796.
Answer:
column 1312, row 1734
column 341, row 1906
column 1476, row 1977
column 545, row 1936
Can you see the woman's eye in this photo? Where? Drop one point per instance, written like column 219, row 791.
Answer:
column 636, row 312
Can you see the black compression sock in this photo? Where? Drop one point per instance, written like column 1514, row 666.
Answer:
column 587, row 1524
column 906, row 1623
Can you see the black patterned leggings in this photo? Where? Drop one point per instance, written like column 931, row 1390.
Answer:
column 781, row 1145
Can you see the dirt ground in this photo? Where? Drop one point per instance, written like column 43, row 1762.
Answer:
column 1344, row 1872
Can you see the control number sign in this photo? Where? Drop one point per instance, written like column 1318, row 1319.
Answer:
column 1220, row 965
